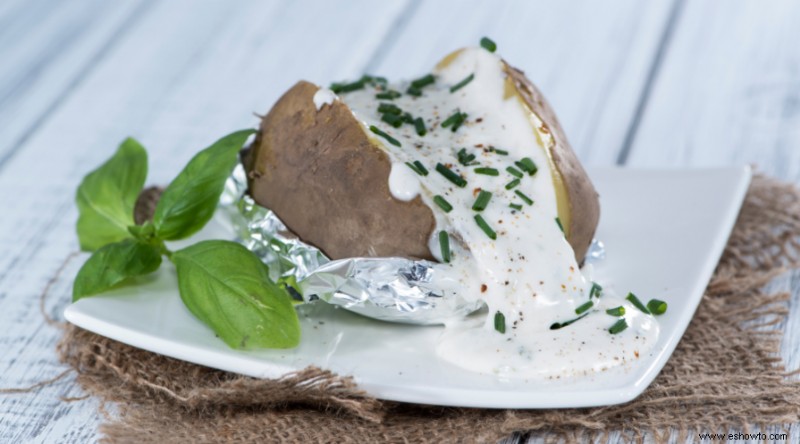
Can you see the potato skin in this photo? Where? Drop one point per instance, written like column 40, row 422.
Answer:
column 329, row 183
column 584, row 205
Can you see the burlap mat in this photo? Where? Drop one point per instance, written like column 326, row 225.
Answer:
column 725, row 374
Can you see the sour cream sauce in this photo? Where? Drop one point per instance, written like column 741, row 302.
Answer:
column 529, row 273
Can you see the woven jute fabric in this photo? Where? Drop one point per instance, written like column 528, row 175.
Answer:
column 725, row 374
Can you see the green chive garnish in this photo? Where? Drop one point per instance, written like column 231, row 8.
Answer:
column 616, row 311
column 500, row 322
column 618, row 326
column 416, row 92
column 524, row 198
column 418, row 167
column 488, row 44
column 347, row 87
column 527, row 165
column 514, row 172
column 498, row 151
column 637, row 303
column 482, row 201
column 444, row 244
column 512, row 184
column 560, row 227
column 657, row 307
column 485, row 227
column 516, row 206
column 596, row 290
column 584, row 307
column 443, row 203
column 450, row 175
column 455, row 120
column 419, row 125
column 388, row 95
column 423, row 81
column 389, row 108
column 465, row 158
column 393, row 120
column 388, row 138
column 408, row 118
column 462, row 83
column 557, row 325
column 421, row 167
column 487, row 171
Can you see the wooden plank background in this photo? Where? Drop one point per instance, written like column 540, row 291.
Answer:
column 675, row 83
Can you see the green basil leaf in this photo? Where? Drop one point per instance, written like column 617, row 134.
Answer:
column 190, row 200
column 106, row 196
column 227, row 287
column 113, row 264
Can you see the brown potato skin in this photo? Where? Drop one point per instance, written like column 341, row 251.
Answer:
column 584, row 205
column 321, row 174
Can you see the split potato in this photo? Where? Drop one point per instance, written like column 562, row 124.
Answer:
column 327, row 177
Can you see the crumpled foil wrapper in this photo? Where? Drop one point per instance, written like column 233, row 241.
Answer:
column 389, row 289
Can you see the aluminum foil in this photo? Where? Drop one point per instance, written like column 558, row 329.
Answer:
column 390, row 289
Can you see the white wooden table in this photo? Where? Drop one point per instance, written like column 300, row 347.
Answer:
column 672, row 83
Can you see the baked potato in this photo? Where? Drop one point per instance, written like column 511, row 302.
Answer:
column 326, row 173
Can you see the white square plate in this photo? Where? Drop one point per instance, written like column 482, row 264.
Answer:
column 664, row 231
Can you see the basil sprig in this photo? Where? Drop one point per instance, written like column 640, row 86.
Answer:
column 222, row 283
column 106, row 197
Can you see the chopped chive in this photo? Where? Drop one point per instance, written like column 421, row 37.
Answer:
column 416, row 92
column 414, row 167
column 514, row 172
column 527, row 165
column 455, row 120
column 408, row 118
column 596, row 290
column 637, row 303
column 419, row 125
column 500, row 322
column 388, row 138
column 560, row 227
column 516, row 206
column 462, row 83
column 418, row 167
column 557, row 325
column 451, row 176
column 465, row 158
column 388, row 95
column 393, row 120
column 657, row 307
column 444, row 244
column 347, row 87
column 618, row 326
column 423, row 81
column 512, row 184
column 482, row 201
column 443, row 203
column 488, row 44
column 584, row 307
column 485, row 227
column 498, row 151
column 487, row 171
column 389, row 108
column 421, row 167
column 616, row 311
column 524, row 198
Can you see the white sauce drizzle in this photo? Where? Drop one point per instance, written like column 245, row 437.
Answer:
column 324, row 96
column 403, row 182
column 529, row 273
